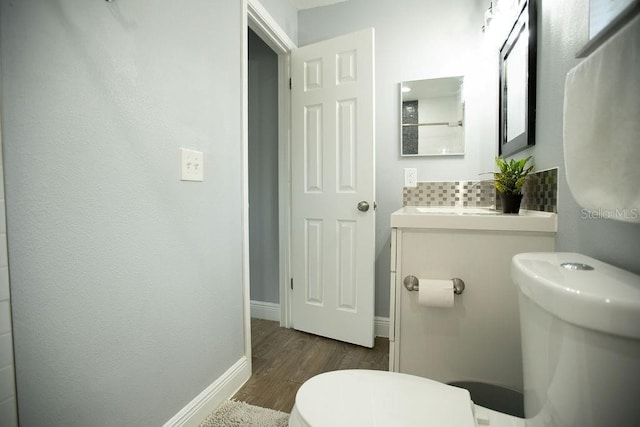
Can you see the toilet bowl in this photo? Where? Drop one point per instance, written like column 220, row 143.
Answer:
column 580, row 321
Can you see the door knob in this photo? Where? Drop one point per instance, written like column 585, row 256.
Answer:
column 363, row 206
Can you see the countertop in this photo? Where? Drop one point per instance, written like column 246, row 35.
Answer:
column 473, row 218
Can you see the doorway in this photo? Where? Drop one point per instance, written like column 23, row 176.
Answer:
column 347, row 150
column 263, row 179
column 265, row 285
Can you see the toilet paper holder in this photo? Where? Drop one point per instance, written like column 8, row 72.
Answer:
column 412, row 284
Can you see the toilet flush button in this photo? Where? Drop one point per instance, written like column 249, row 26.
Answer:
column 576, row 266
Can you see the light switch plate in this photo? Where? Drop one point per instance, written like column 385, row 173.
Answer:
column 191, row 165
column 410, row 177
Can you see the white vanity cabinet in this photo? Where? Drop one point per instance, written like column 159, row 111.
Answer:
column 478, row 339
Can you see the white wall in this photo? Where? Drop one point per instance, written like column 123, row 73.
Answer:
column 126, row 282
column 417, row 39
column 263, row 171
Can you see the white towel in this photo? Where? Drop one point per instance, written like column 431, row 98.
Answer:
column 602, row 127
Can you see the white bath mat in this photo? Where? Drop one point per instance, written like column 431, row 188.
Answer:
column 239, row 414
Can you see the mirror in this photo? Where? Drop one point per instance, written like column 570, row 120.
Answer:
column 432, row 117
column 517, row 94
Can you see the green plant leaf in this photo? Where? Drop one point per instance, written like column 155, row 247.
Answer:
column 512, row 175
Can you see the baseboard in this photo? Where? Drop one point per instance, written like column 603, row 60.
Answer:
column 381, row 326
column 211, row 397
column 265, row 310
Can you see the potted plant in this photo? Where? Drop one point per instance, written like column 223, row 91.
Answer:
column 509, row 181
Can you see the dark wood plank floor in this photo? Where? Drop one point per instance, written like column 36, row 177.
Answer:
column 285, row 358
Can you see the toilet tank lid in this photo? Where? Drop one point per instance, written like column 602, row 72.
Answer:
column 581, row 290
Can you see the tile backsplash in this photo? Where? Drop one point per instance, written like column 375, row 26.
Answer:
column 450, row 193
column 540, row 193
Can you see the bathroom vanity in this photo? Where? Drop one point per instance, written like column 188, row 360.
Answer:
column 478, row 338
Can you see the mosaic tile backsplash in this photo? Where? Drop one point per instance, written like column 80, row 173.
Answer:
column 540, row 193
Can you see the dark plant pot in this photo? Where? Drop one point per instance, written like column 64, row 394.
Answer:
column 511, row 203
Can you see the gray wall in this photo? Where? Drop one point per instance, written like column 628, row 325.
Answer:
column 283, row 12
column 416, row 39
column 564, row 30
column 427, row 38
column 126, row 282
column 8, row 408
column 263, row 171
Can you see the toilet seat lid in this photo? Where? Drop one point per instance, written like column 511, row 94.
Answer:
column 379, row 398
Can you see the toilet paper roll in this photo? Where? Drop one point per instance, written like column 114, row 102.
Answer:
column 435, row 293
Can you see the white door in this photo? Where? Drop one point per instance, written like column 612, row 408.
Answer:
column 333, row 218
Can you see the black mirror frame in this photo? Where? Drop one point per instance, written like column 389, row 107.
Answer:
column 527, row 20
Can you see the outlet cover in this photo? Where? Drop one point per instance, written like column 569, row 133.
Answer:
column 410, row 177
column 191, row 165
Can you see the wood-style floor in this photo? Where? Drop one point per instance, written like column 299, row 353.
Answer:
column 285, row 358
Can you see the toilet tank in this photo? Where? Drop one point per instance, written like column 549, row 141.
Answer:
column 580, row 328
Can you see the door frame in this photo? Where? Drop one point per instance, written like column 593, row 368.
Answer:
column 256, row 17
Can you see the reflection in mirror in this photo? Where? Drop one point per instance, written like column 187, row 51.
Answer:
column 432, row 117
column 515, row 71
column 517, row 96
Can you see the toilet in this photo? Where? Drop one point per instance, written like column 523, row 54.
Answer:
column 580, row 324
